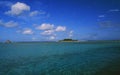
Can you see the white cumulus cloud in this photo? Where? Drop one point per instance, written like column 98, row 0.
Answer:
column 61, row 28
column 34, row 13
column 45, row 26
column 8, row 24
column 27, row 31
column 18, row 8
column 48, row 32
column 11, row 24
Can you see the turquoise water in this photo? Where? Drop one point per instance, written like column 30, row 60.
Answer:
column 60, row 58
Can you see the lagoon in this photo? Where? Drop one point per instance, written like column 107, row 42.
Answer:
column 58, row 58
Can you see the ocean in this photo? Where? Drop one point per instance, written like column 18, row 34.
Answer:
column 57, row 58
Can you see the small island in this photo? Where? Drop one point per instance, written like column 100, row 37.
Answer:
column 68, row 40
column 8, row 41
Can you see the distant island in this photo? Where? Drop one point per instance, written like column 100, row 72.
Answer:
column 68, row 40
column 64, row 40
column 8, row 41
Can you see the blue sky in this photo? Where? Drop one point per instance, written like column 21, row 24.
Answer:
column 49, row 20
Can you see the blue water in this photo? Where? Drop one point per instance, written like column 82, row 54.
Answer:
column 60, row 58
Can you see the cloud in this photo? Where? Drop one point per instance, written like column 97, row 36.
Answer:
column 71, row 33
column 34, row 39
column 5, row 3
column 18, row 8
column 45, row 26
column 9, row 24
column 35, row 13
column 61, row 28
column 23, row 11
column 52, row 37
column 109, row 24
column 114, row 10
column 48, row 32
column 27, row 31
column 101, row 16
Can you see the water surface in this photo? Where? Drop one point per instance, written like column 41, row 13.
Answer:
column 60, row 58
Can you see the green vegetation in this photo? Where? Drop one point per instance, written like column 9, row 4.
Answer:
column 68, row 40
